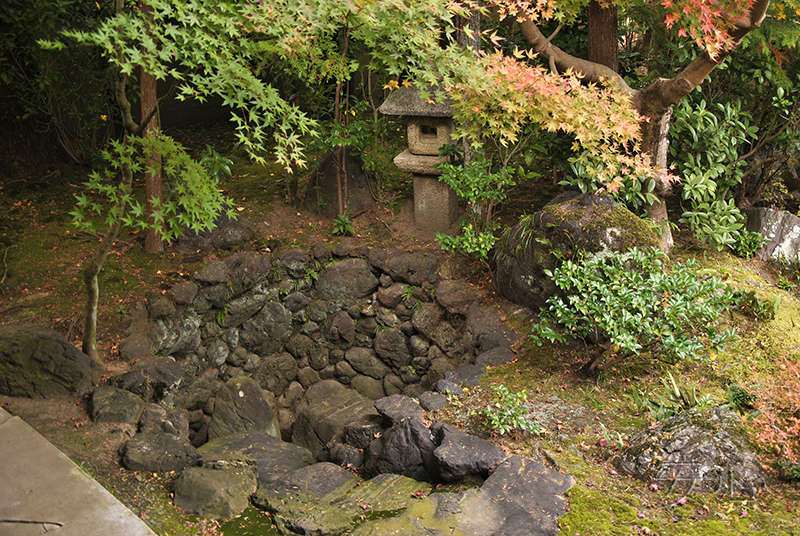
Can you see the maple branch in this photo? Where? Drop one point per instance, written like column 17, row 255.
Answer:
column 560, row 60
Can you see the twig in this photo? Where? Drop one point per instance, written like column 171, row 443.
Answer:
column 5, row 266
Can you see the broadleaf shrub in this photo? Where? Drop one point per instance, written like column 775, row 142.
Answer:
column 631, row 303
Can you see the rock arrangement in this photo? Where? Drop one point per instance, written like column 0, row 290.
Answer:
column 276, row 379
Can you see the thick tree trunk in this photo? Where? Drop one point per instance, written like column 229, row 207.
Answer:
column 603, row 35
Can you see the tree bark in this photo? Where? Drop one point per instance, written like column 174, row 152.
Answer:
column 655, row 102
column 603, row 35
column 153, row 243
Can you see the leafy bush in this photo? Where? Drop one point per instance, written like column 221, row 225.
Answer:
column 748, row 302
column 506, row 412
column 629, row 303
column 482, row 189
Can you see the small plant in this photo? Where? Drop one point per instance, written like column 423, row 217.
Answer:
column 222, row 315
column 741, row 399
column 784, row 283
column 275, row 274
column 747, row 244
column 506, row 412
column 630, row 303
column 676, row 400
column 748, row 302
column 342, row 225
column 218, row 166
column 609, row 442
column 408, row 292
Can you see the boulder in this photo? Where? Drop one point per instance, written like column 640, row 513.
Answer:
column 158, row 452
column 392, row 346
column 240, row 406
column 365, row 361
column 265, row 333
column 460, row 454
column 153, row 379
column 215, row 493
column 406, row 449
column 38, row 362
column 781, row 233
column 368, row 387
column 698, row 450
column 340, row 329
column 300, row 501
column 413, row 268
column 327, row 408
column 397, row 408
column 346, row 279
column 273, row 458
column 246, row 270
column 499, row 355
column 570, row 223
column 111, row 404
column 177, row 335
column 277, row 372
column 431, row 401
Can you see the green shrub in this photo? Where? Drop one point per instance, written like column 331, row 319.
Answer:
column 747, row 244
column 629, row 303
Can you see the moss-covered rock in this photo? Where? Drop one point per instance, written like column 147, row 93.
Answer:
column 568, row 225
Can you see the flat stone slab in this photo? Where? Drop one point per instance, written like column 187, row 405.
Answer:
column 39, row 483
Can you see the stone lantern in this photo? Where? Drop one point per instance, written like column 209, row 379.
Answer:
column 430, row 126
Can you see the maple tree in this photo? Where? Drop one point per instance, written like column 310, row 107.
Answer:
column 717, row 27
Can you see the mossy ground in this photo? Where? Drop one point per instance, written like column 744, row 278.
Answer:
column 40, row 262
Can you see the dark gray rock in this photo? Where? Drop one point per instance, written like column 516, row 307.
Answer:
column 457, row 295
column 698, row 450
column 426, row 319
column 160, row 307
column 265, row 333
column 158, row 452
column 213, row 272
column 407, row 450
column 346, row 456
column 246, row 270
column 38, row 362
column 110, row 404
column 273, row 457
column 365, row 361
column 392, row 346
column 340, row 329
column 153, row 379
column 470, row 374
column 215, row 493
column 240, row 406
column 241, row 309
column 300, row 501
column 183, row 292
column 326, row 410
column 499, row 355
column 347, row 279
column 413, row 268
column 431, row 401
column 448, row 387
column 397, row 408
column 307, row 377
column 296, row 301
column 177, row 335
column 567, row 225
column 392, row 296
column 460, row 454
column 156, row 418
column 369, row 387
column 276, row 372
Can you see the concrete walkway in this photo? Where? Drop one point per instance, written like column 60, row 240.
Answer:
column 43, row 492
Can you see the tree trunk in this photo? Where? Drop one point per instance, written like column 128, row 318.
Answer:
column 153, row 243
column 603, row 36
column 92, row 270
